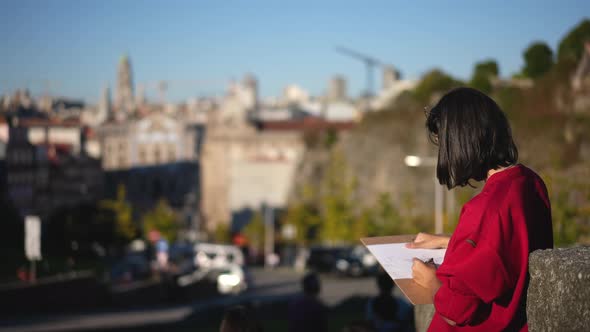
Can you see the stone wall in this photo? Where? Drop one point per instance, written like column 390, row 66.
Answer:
column 558, row 295
column 559, row 290
column 423, row 315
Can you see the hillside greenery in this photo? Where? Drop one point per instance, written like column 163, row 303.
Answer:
column 361, row 188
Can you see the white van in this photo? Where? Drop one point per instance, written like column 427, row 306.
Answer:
column 217, row 256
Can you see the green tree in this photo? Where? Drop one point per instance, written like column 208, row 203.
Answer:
column 122, row 211
column 363, row 225
column 222, row 233
column 386, row 218
column 305, row 218
column 303, row 214
column 481, row 83
column 570, row 209
column 337, row 209
column 254, row 231
column 331, row 137
column 483, row 72
column 565, row 231
column 488, row 68
column 571, row 46
column 162, row 219
column 538, row 59
column 435, row 81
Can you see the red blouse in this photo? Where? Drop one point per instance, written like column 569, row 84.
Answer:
column 485, row 272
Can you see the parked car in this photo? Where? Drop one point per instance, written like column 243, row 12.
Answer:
column 231, row 280
column 217, row 256
column 131, row 267
column 182, row 259
column 352, row 261
column 222, row 264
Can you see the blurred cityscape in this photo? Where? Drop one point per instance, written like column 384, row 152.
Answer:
column 221, row 200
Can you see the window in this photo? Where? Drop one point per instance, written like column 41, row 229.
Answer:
column 172, row 154
column 122, row 161
column 157, row 155
column 142, row 156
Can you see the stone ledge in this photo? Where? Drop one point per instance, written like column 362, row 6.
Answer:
column 558, row 297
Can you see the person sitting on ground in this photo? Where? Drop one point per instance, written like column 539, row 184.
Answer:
column 306, row 312
column 240, row 319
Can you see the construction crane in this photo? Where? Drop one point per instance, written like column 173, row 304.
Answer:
column 370, row 64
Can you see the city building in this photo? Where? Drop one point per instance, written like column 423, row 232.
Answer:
column 195, row 110
column 294, row 94
column 41, row 178
column 73, row 178
column 155, row 139
column 27, row 178
column 340, row 111
column 21, row 105
column 392, row 87
column 176, row 182
column 22, row 98
column 250, row 164
column 290, row 112
column 65, row 108
column 387, row 96
column 4, row 103
column 152, row 149
column 244, row 167
column 154, row 157
column 62, row 132
column 390, row 76
column 249, row 92
column 95, row 116
column 337, row 89
column 124, row 100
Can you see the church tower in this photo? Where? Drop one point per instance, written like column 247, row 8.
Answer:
column 104, row 105
column 125, row 100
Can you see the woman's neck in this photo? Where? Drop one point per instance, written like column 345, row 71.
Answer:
column 494, row 171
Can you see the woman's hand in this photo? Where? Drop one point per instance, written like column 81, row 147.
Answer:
column 424, row 274
column 429, row 241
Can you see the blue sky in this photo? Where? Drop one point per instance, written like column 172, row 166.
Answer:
column 77, row 44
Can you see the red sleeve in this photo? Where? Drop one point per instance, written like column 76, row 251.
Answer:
column 474, row 275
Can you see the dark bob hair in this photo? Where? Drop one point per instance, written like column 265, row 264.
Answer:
column 473, row 137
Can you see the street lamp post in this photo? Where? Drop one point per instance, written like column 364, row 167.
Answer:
column 269, row 230
column 415, row 161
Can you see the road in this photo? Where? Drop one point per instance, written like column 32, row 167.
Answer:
column 266, row 285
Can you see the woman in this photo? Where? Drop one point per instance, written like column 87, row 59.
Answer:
column 481, row 285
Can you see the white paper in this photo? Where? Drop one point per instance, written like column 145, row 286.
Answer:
column 396, row 259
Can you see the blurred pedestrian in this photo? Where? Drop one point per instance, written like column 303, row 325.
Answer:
column 70, row 264
column 306, row 312
column 240, row 319
column 382, row 310
column 361, row 326
column 22, row 273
